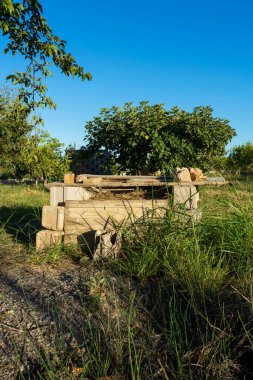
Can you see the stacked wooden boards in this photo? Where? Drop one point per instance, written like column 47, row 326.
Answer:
column 84, row 216
column 74, row 212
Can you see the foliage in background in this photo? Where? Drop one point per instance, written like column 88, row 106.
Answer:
column 24, row 148
column 29, row 34
column 241, row 157
column 14, row 127
column 150, row 137
column 43, row 158
column 81, row 160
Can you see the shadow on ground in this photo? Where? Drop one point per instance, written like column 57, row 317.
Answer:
column 21, row 222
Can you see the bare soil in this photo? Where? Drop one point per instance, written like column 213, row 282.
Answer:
column 49, row 313
column 40, row 306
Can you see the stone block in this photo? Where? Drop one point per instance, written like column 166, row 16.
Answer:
column 194, row 198
column 81, row 178
column 70, row 239
column 53, row 217
column 75, row 194
column 56, row 195
column 183, row 175
column 48, row 238
column 92, row 181
column 107, row 244
column 69, row 178
column 186, row 197
column 182, row 196
column 197, row 174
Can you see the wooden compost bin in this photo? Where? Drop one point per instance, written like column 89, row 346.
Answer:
column 74, row 216
column 82, row 217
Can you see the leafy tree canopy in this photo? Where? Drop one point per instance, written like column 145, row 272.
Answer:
column 14, row 128
column 241, row 157
column 30, row 35
column 25, row 149
column 150, row 137
column 42, row 157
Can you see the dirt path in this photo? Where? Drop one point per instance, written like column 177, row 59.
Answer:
column 38, row 306
column 63, row 321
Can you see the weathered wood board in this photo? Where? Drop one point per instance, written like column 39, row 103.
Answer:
column 84, row 216
column 142, row 183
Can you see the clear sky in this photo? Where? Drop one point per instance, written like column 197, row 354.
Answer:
column 183, row 52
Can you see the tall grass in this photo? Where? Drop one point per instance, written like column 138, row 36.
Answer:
column 202, row 287
column 177, row 304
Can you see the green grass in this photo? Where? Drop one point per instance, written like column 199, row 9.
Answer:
column 20, row 214
column 177, row 304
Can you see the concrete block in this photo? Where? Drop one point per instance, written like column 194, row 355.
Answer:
column 47, row 238
column 186, row 196
column 182, row 196
column 194, row 198
column 53, row 217
column 56, row 195
column 75, row 194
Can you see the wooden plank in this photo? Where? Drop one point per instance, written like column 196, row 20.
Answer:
column 134, row 184
column 111, row 185
column 97, row 214
column 126, row 177
column 116, row 203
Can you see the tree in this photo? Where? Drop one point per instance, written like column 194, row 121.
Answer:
column 14, row 128
column 24, row 148
column 42, row 157
column 241, row 157
column 149, row 137
column 28, row 34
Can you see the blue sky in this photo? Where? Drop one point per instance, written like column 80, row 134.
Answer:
column 183, row 52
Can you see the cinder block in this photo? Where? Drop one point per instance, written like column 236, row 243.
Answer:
column 53, row 217
column 56, row 195
column 47, row 238
column 75, row 194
